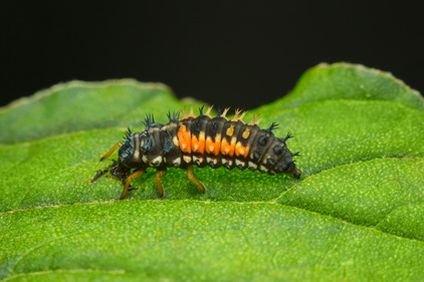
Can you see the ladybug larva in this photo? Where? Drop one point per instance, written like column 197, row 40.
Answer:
column 202, row 140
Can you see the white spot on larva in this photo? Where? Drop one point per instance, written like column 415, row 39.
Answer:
column 228, row 163
column 240, row 163
column 175, row 141
column 224, row 161
column 197, row 160
column 252, row 165
column 145, row 159
column 176, row 162
column 156, row 161
column 263, row 168
column 187, row 159
column 136, row 154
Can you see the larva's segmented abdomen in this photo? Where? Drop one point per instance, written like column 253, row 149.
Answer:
column 232, row 143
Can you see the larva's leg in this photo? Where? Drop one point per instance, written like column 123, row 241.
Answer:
column 112, row 169
column 194, row 180
column 110, row 152
column 159, row 185
column 128, row 181
column 99, row 174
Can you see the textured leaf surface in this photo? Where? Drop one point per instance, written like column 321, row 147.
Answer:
column 190, row 240
column 356, row 214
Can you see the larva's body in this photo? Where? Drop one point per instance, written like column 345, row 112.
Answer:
column 202, row 140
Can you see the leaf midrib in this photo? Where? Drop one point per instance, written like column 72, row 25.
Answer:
column 116, row 272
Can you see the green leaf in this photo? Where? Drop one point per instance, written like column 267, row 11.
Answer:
column 191, row 240
column 350, row 82
column 80, row 105
column 372, row 193
column 356, row 214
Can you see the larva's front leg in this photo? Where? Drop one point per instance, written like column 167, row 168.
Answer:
column 99, row 174
column 110, row 151
column 128, row 181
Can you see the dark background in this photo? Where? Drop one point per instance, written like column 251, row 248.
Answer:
column 225, row 53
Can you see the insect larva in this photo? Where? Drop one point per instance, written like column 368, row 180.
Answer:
column 202, row 140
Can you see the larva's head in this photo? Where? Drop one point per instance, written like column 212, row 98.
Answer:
column 293, row 170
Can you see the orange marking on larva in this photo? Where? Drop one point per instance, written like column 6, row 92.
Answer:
column 210, row 146
column 230, row 130
column 198, row 144
column 242, row 150
column 201, row 148
column 217, row 145
column 232, row 146
column 246, row 133
column 184, row 138
column 226, row 148
column 246, row 153
column 194, row 143
column 239, row 149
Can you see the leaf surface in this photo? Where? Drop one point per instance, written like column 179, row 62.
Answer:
column 356, row 214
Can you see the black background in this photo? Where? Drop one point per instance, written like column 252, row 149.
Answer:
column 242, row 53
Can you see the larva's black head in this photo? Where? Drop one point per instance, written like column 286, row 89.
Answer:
column 293, row 170
column 127, row 150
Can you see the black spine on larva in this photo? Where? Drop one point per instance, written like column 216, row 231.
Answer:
column 214, row 127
